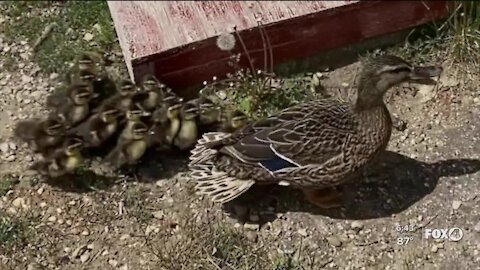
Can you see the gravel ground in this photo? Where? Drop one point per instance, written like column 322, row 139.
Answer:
column 429, row 179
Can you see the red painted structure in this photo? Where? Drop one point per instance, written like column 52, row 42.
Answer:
column 176, row 40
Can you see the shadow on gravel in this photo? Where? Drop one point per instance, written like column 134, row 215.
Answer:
column 153, row 167
column 399, row 182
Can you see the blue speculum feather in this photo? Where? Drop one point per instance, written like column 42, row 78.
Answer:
column 276, row 164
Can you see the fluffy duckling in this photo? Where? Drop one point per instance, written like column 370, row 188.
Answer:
column 63, row 160
column 123, row 99
column 44, row 134
column 76, row 107
column 209, row 111
column 129, row 151
column 99, row 127
column 133, row 115
column 188, row 132
column 151, row 93
column 173, row 114
column 233, row 121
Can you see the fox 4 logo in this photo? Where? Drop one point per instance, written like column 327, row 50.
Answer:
column 452, row 234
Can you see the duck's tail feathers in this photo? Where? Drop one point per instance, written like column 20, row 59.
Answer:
column 211, row 182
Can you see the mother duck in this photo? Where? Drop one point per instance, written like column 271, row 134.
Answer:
column 314, row 146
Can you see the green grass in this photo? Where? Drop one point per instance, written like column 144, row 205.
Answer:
column 7, row 182
column 14, row 232
column 26, row 20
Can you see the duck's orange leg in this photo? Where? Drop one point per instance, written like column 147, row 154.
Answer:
column 324, row 198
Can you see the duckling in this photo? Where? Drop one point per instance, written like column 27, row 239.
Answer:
column 44, row 134
column 63, row 160
column 151, row 94
column 86, row 65
column 173, row 126
column 129, row 151
column 233, row 121
column 123, row 99
column 133, row 115
column 99, row 127
column 76, row 107
column 188, row 132
column 209, row 111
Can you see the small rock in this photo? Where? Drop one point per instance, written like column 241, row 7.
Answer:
column 79, row 251
column 252, row 236
column 88, row 37
column 18, row 202
column 12, row 146
column 52, row 219
column 40, row 191
column 10, row 158
column 456, row 204
column 53, row 76
column 85, row 233
column 158, row 214
column 113, row 263
column 344, row 84
column 124, row 267
column 302, row 232
column 357, row 225
column 4, row 147
column 477, row 227
column 84, row 257
column 251, row 226
column 334, row 241
column 26, row 79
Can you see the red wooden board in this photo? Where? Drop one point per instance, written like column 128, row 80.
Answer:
column 176, row 40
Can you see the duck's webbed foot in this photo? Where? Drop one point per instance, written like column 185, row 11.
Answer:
column 324, row 198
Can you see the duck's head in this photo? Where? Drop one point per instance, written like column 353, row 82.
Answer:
column 189, row 110
column 85, row 62
column 135, row 113
column 109, row 114
column 127, row 87
column 150, row 83
column 238, row 119
column 53, row 126
column 383, row 72
column 139, row 131
column 81, row 94
column 73, row 145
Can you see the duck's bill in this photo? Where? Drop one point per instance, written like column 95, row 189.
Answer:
column 425, row 75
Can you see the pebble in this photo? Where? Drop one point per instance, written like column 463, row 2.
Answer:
column 84, row 257
column 52, row 219
column 477, row 227
column 12, row 146
column 10, row 158
column 357, row 225
column 252, row 236
column 88, row 37
column 456, row 204
column 18, row 202
column 158, row 214
column 113, row 263
column 302, row 232
column 251, row 226
column 334, row 241
column 4, row 147
column 85, row 233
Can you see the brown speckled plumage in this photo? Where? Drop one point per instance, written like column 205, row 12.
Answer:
column 318, row 144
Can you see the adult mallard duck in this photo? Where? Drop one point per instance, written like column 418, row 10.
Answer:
column 314, row 146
